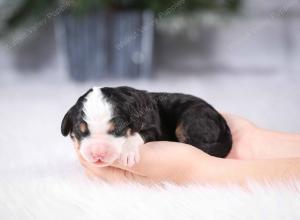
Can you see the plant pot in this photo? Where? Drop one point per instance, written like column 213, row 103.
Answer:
column 107, row 44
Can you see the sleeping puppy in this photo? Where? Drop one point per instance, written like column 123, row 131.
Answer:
column 109, row 124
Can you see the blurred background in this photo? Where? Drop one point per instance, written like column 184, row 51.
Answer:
column 242, row 56
column 239, row 55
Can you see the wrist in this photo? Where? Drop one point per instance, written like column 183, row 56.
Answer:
column 259, row 143
column 272, row 144
column 245, row 144
column 205, row 169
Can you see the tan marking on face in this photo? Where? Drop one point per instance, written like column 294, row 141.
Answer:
column 129, row 132
column 180, row 133
column 83, row 127
column 112, row 127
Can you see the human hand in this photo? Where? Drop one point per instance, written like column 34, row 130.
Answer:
column 177, row 162
column 182, row 164
column 160, row 161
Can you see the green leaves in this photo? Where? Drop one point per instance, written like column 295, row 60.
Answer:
column 36, row 9
column 27, row 10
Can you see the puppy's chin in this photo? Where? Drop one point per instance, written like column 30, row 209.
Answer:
column 107, row 161
column 100, row 164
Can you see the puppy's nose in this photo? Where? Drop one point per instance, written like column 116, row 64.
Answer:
column 96, row 150
column 98, row 155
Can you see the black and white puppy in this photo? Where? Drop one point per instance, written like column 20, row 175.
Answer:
column 107, row 124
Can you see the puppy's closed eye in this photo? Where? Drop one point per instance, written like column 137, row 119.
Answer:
column 118, row 131
column 112, row 128
column 72, row 135
column 118, row 127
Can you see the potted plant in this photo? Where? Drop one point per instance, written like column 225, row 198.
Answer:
column 109, row 38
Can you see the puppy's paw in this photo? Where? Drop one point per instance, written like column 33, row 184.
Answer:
column 129, row 157
column 131, row 150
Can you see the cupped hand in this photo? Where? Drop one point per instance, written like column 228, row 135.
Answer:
column 171, row 161
column 160, row 161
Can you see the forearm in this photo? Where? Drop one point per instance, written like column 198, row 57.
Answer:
column 271, row 144
column 187, row 164
column 184, row 164
column 220, row 171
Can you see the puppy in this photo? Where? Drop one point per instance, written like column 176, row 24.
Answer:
column 107, row 124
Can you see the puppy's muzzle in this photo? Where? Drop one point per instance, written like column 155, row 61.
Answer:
column 97, row 150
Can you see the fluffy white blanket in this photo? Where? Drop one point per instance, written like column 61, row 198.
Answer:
column 53, row 197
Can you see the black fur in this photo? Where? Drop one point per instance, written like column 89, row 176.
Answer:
column 73, row 118
column 156, row 116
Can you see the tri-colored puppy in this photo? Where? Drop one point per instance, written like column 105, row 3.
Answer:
column 107, row 124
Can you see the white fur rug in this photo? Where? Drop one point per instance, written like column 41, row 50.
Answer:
column 50, row 197
column 40, row 177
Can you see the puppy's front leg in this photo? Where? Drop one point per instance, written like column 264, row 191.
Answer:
column 131, row 149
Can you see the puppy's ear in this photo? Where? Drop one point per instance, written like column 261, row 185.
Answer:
column 66, row 124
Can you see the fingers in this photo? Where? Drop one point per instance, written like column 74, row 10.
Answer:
column 163, row 160
column 116, row 175
column 111, row 174
column 159, row 161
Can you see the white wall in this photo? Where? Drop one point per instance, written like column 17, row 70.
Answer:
column 264, row 37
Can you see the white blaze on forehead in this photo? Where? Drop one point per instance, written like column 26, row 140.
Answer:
column 97, row 112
